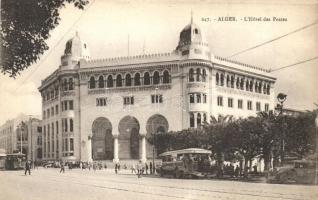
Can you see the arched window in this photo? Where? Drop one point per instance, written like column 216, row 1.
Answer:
column 203, row 75
column 92, row 83
column 70, row 84
column 198, row 119
column 264, row 89
column 65, row 85
column 166, row 77
column 268, row 89
column 247, row 86
column 71, row 125
column 156, row 78
column 222, row 80
column 146, row 78
column 228, row 81
column 260, row 88
column 119, row 81
column 232, row 81
column 101, row 83
column 242, row 84
column 204, row 117
column 137, row 79
column 198, row 74
column 198, row 97
column 256, row 86
column 110, row 82
column 217, row 79
column 238, row 83
column 128, row 80
column 191, row 75
column 251, row 86
column 191, row 120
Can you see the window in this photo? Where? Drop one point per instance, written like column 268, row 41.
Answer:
column 249, row 105
column 251, row 86
column 101, row 83
column 198, row 119
column 57, row 109
column 71, row 125
column 240, row 104
column 119, row 81
column 57, row 127
column 258, row 106
column 146, row 78
column 156, row 98
column 222, row 79
column 128, row 100
column 92, row 83
column 232, row 81
column 52, row 131
column 204, row 98
column 44, row 114
column 191, row 120
column 65, row 105
column 198, row 97
column 230, row 102
column 242, row 84
column 217, row 79
column 266, row 107
column 228, row 81
column 156, row 78
column 52, row 111
column 66, row 144
column 39, row 129
column 204, row 117
column 191, row 75
column 191, row 97
column 220, row 101
column 204, row 75
column 128, row 80
column 166, row 77
column 198, row 74
column 71, row 105
column 65, row 125
column 70, row 84
column 268, row 89
column 71, row 144
column 110, row 81
column 196, row 31
column 101, row 101
column 48, row 113
column 137, row 79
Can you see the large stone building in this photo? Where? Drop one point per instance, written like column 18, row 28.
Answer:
column 104, row 109
column 22, row 134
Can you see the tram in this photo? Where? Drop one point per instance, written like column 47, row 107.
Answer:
column 15, row 161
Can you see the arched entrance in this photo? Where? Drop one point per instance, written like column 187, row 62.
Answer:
column 102, row 140
column 156, row 124
column 128, row 138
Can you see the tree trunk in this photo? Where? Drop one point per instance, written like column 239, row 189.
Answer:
column 246, row 159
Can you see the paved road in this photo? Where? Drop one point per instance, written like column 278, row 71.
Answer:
column 49, row 184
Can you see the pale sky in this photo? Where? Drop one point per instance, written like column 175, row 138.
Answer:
column 105, row 27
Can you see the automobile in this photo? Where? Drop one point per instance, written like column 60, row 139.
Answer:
column 48, row 164
column 302, row 172
column 191, row 162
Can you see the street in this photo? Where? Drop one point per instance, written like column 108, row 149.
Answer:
column 49, row 184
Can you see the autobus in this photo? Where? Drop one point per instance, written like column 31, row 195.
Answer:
column 15, row 161
column 191, row 162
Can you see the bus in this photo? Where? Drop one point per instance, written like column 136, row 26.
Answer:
column 191, row 162
column 15, row 161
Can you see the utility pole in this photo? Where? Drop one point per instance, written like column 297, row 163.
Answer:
column 281, row 97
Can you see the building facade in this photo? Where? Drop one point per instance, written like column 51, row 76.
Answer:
column 22, row 134
column 104, row 109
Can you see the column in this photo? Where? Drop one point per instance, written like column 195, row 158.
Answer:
column 116, row 159
column 195, row 119
column 143, row 149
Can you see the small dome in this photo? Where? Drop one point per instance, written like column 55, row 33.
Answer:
column 76, row 48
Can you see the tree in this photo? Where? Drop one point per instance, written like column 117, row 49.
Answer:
column 26, row 24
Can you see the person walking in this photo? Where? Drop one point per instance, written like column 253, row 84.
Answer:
column 139, row 169
column 146, row 167
column 27, row 167
column 133, row 168
column 62, row 168
column 116, row 168
column 150, row 166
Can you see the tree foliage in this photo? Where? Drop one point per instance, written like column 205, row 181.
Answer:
column 25, row 26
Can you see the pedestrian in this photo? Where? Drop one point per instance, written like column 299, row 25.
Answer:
column 154, row 168
column 139, row 169
column 146, row 166
column 70, row 167
column 133, row 168
column 150, row 166
column 62, row 168
column 27, row 167
column 116, row 168
column 81, row 165
column 105, row 166
column 237, row 171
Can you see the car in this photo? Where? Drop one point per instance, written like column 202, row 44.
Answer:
column 302, row 172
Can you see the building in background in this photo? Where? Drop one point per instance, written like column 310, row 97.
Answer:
column 104, row 109
column 22, row 134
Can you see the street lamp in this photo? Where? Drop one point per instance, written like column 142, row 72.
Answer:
column 281, row 98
